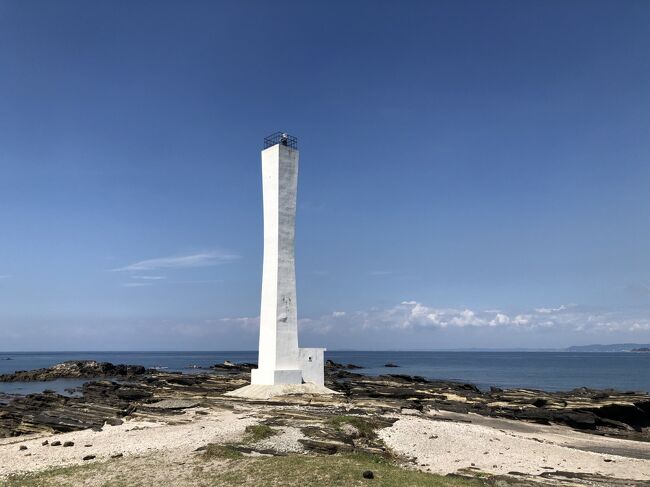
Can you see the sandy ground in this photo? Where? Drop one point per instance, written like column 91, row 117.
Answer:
column 131, row 438
column 441, row 444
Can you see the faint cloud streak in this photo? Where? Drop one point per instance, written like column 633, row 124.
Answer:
column 204, row 259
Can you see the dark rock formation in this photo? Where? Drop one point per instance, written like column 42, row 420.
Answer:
column 606, row 412
column 330, row 364
column 233, row 367
column 76, row 369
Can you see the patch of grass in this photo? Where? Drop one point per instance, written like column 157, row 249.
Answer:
column 365, row 426
column 259, row 432
column 52, row 476
column 333, row 470
column 227, row 452
column 286, row 471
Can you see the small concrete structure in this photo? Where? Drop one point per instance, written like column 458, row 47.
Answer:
column 281, row 361
column 312, row 364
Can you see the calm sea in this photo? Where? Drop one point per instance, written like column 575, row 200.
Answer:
column 551, row 371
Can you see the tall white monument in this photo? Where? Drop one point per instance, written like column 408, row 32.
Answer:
column 280, row 359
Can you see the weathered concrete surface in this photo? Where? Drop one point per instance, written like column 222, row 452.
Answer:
column 262, row 391
column 279, row 362
column 280, row 359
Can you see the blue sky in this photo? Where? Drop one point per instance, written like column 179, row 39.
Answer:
column 473, row 174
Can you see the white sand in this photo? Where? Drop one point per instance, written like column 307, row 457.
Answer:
column 131, row 438
column 445, row 447
column 286, row 441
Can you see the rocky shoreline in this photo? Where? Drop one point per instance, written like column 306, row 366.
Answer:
column 77, row 369
column 128, row 418
column 116, row 392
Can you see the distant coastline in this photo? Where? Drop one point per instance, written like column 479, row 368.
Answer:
column 614, row 347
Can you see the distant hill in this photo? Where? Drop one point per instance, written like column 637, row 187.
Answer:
column 614, row 347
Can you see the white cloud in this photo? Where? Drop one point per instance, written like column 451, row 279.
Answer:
column 149, row 278
column 640, row 327
column 552, row 310
column 136, row 284
column 204, row 259
column 500, row 319
column 245, row 322
column 413, row 316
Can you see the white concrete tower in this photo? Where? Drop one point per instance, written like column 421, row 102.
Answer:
column 280, row 359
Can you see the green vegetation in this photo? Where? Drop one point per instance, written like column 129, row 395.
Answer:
column 226, row 452
column 54, row 476
column 365, row 427
column 285, row 471
column 258, row 432
column 333, row 470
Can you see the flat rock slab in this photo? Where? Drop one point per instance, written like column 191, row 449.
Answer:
column 257, row 391
column 167, row 404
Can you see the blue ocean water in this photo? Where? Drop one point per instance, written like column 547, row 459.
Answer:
column 551, row 371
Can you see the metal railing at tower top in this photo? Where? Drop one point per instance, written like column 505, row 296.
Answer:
column 281, row 138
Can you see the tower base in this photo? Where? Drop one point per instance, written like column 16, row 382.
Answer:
column 272, row 377
column 267, row 391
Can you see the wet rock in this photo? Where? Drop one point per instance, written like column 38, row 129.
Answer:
column 390, row 364
column 232, row 367
column 89, row 457
column 45, row 443
column 184, row 380
column 117, row 455
column 22, row 447
column 539, row 402
column 368, row 474
column 56, row 443
column 330, row 364
column 132, row 393
column 68, row 444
